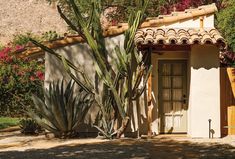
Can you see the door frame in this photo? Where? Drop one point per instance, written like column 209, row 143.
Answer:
column 185, row 89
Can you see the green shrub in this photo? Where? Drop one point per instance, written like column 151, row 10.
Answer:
column 1, row 46
column 29, row 127
column 226, row 24
column 6, row 122
column 23, row 39
column 49, row 36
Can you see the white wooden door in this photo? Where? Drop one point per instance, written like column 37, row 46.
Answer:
column 172, row 83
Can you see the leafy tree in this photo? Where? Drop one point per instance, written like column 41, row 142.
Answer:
column 181, row 5
column 226, row 23
column 119, row 9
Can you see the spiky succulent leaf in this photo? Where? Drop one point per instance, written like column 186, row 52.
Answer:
column 69, row 63
column 63, row 110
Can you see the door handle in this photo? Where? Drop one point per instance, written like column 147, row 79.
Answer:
column 184, row 99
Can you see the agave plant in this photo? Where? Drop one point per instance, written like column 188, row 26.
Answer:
column 29, row 127
column 63, row 110
column 122, row 84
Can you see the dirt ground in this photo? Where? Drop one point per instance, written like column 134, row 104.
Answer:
column 34, row 16
column 22, row 16
column 16, row 146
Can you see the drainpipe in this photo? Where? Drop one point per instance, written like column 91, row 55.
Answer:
column 209, row 128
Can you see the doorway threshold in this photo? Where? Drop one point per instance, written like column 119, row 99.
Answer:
column 172, row 136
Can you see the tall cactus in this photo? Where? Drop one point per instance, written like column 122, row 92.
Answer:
column 120, row 86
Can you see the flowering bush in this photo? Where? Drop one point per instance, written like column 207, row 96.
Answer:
column 227, row 58
column 18, row 79
column 181, row 5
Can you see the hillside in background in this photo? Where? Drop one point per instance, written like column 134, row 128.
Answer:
column 22, row 16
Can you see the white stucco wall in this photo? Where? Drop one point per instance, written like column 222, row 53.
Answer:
column 208, row 22
column 204, row 97
column 78, row 54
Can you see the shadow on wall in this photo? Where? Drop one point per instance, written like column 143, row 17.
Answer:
column 79, row 56
column 204, row 56
column 138, row 124
column 170, row 131
column 159, row 148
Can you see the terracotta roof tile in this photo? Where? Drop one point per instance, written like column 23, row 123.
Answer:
column 156, row 36
column 178, row 16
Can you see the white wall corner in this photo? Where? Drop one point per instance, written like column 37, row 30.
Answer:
column 204, row 91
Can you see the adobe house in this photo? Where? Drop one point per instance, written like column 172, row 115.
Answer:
column 186, row 88
column 184, row 48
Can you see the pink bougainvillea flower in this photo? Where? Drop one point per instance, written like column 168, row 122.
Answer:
column 7, row 50
column 32, row 78
column 40, row 75
column 15, row 66
column 2, row 55
column 21, row 73
column 8, row 59
column 114, row 22
column 18, row 47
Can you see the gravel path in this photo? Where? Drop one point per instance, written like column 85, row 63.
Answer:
column 22, row 16
column 16, row 146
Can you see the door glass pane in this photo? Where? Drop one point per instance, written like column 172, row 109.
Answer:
column 167, row 107
column 168, row 121
column 177, row 121
column 166, row 70
column 177, row 69
column 177, row 108
column 166, row 94
column 177, row 94
column 177, row 82
column 166, row 82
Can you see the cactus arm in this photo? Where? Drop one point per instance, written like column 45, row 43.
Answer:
column 70, row 64
column 66, row 66
column 141, row 90
column 70, row 23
